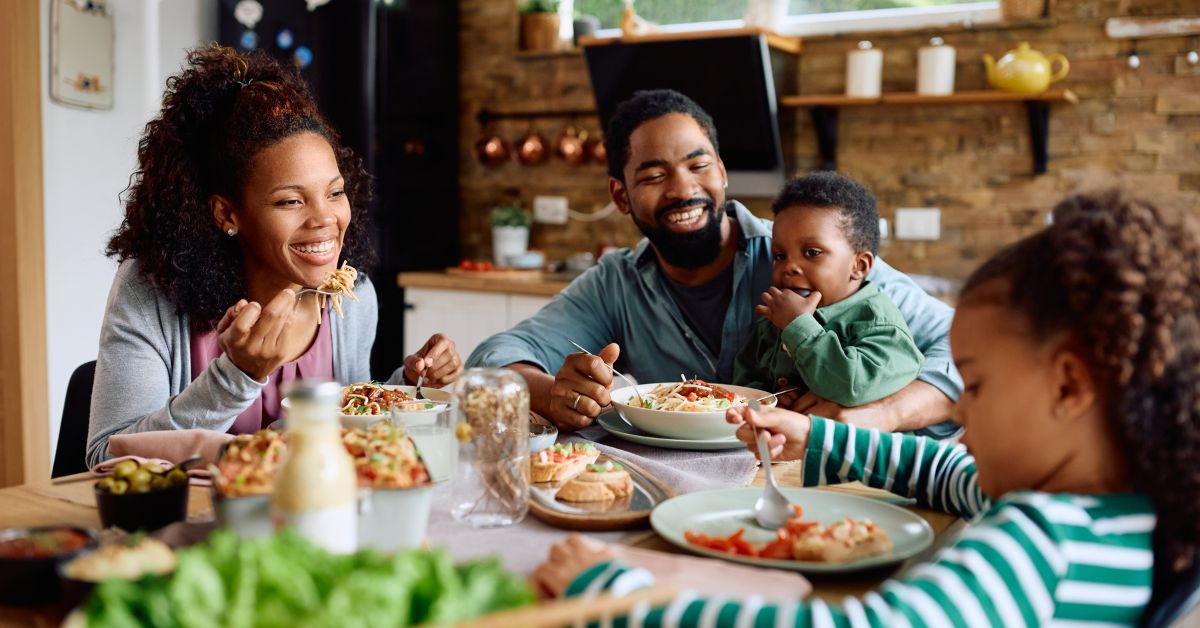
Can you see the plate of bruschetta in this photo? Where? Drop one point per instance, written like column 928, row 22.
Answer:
column 829, row 532
column 578, row 488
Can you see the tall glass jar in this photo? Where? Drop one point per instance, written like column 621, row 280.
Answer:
column 491, row 482
column 316, row 488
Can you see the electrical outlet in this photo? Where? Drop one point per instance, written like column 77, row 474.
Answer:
column 918, row 223
column 550, row 210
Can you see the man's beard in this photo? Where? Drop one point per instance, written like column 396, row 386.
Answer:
column 693, row 249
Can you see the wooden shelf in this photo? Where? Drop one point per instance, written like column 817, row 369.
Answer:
column 774, row 40
column 909, row 98
column 824, row 111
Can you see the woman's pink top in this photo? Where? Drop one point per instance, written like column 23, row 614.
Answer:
column 316, row 362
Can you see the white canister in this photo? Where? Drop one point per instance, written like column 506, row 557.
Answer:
column 864, row 71
column 768, row 14
column 935, row 69
column 509, row 242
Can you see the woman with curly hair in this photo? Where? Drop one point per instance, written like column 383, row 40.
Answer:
column 242, row 196
column 1080, row 351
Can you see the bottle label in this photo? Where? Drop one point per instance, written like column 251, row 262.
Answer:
column 334, row 528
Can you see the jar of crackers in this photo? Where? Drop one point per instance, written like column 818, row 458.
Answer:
column 490, row 487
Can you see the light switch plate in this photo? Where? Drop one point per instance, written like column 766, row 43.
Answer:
column 918, row 223
column 550, row 210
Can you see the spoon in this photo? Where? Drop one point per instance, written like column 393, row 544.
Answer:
column 772, row 510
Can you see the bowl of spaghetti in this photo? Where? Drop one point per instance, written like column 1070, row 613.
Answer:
column 366, row 403
column 690, row 409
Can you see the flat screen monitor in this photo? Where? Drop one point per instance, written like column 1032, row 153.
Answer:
column 730, row 77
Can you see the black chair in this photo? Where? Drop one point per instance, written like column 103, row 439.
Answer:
column 70, row 455
column 1177, row 603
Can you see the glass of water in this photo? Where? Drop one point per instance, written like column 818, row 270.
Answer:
column 432, row 431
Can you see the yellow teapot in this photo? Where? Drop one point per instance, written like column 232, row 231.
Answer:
column 1024, row 70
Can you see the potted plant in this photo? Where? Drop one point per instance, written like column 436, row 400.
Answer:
column 510, row 232
column 539, row 25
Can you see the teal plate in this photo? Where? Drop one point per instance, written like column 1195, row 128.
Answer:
column 721, row 512
column 619, row 427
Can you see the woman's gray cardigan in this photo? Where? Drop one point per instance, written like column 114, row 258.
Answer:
column 144, row 371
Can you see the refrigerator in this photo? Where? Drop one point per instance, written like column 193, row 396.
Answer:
column 385, row 74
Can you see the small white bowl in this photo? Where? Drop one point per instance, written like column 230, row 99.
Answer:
column 541, row 436
column 413, row 417
column 682, row 425
column 248, row 517
column 391, row 519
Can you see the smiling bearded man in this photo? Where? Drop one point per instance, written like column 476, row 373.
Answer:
column 682, row 300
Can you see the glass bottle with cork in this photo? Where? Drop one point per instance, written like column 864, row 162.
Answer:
column 316, row 488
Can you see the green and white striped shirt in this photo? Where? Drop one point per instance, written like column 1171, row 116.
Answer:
column 1031, row 559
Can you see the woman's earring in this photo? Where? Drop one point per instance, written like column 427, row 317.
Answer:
column 232, row 231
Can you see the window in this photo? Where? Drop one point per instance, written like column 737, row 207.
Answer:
column 805, row 17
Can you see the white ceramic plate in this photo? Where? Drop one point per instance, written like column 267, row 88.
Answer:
column 680, row 425
column 721, row 512
column 615, row 425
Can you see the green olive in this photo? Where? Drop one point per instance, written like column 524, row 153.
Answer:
column 177, row 477
column 139, row 487
column 124, row 468
column 159, row 482
column 153, row 467
column 140, row 476
column 119, row 487
column 105, row 484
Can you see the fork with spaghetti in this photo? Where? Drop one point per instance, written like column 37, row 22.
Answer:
column 337, row 284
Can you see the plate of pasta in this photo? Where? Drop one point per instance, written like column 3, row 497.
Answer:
column 688, row 409
column 366, row 403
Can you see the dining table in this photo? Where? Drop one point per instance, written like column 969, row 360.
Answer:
column 70, row 501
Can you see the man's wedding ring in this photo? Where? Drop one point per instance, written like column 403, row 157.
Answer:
column 576, row 402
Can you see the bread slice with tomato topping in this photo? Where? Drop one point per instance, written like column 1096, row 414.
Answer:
column 844, row 541
column 601, row 482
column 562, row 461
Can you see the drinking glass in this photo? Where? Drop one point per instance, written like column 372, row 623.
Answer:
column 432, row 431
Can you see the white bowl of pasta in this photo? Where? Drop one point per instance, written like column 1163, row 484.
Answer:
column 692, row 409
column 367, row 403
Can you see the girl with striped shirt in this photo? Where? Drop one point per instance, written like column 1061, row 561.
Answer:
column 1079, row 349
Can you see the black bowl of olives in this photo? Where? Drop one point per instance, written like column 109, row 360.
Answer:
column 142, row 497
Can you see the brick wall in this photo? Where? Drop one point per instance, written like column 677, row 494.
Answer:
column 1139, row 128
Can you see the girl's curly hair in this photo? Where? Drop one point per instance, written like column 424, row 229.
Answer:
column 1121, row 276
column 217, row 115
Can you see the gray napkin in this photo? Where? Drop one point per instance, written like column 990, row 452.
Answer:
column 680, row 470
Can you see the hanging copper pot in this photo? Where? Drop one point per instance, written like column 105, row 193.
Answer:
column 570, row 146
column 532, row 150
column 595, row 149
column 491, row 151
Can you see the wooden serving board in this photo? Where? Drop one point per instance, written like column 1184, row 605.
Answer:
column 630, row 512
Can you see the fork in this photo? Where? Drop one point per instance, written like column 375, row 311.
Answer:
column 420, row 379
column 615, row 372
column 772, row 509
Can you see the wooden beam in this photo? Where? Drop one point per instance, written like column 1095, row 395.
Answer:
column 24, row 424
column 1147, row 27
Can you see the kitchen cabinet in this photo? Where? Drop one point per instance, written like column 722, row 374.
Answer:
column 467, row 316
